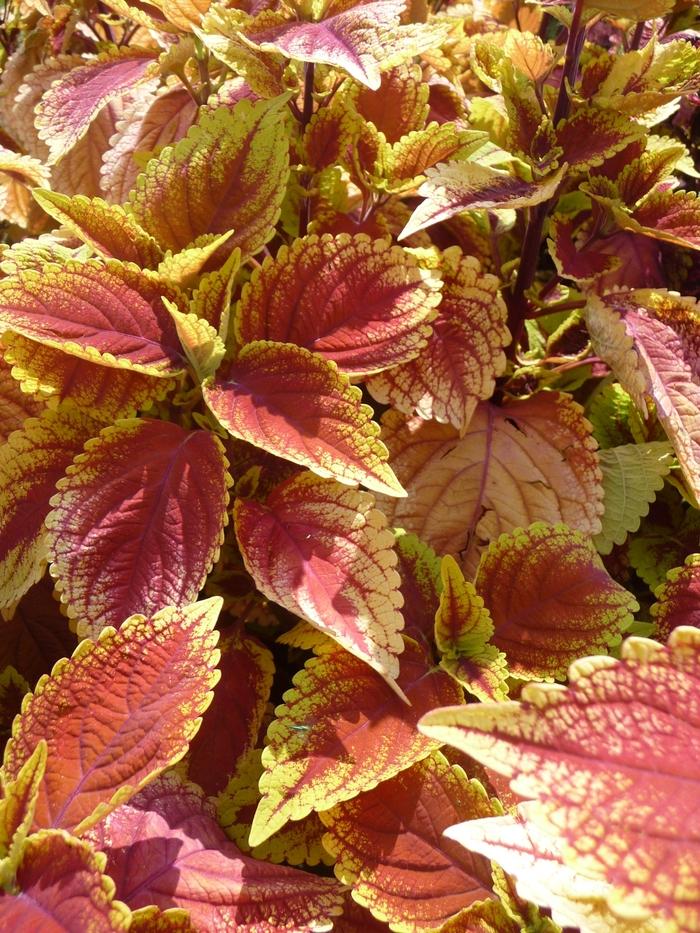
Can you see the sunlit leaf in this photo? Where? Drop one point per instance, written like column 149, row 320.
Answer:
column 16, row 406
column 137, row 522
column 612, row 765
column 297, row 405
column 109, row 725
column 17, row 811
column 341, row 731
column 363, row 303
column 390, row 847
column 324, row 552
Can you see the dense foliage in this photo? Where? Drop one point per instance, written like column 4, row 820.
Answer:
column 350, row 408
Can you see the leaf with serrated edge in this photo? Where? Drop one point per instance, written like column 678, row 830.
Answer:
column 363, row 303
column 551, row 599
column 56, row 377
column 390, row 848
column 297, row 405
column 419, row 568
column 31, row 463
column 204, row 347
column 650, row 340
column 16, row 406
column 524, row 461
column 464, row 354
column 165, row 848
column 632, row 475
column 671, row 216
column 17, row 811
column 341, row 731
column 138, row 521
column 463, row 627
column 184, row 268
column 324, row 552
column 399, row 107
column 229, row 173
column 592, row 135
column 231, row 725
column 678, row 599
column 62, row 886
column 103, row 311
column 613, row 768
column 454, row 187
column 73, row 101
column 109, row 725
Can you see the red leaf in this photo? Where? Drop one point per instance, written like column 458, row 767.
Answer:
column 15, row 405
column 138, row 521
column 363, row 303
column 109, row 724
column 399, row 106
column 390, row 848
column 324, row 552
column 613, row 765
column 419, row 569
column 341, row 731
column 72, row 102
column 31, row 463
column 296, row 405
column 62, row 887
column 165, row 848
column 231, row 725
column 98, row 311
column 678, row 599
column 551, row 600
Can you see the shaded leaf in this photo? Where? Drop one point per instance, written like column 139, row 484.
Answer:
column 31, row 463
column 551, row 599
column 63, row 887
column 137, row 521
column 324, row 552
column 464, row 353
column 229, row 173
column 678, row 599
column 523, row 461
column 360, row 302
column 632, row 475
column 419, row 568
column 398, row 106
column 165, row 848
column 612, row 765
column 17, row 811
column 109, row 725
column 296, row 405
column 390, row 848
column 16, row 406
column 97, row 310
column 355, row 732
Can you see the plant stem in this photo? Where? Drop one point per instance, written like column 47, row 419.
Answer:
column 518, row 308
column 306, row 114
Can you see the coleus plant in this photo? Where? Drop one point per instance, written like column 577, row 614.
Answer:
column 350, row 406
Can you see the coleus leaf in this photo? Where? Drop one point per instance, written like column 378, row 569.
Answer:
column 165, row 848
column 612, row 767
column 19, row 173
column 229, row 173
column 153, row 122
column 62, row 886
column 360, row 302
column 671, row 216
column 231, row 725
column 677, row 600
column 16, row 406
column 183, row 268
column 324, row 552
column 31, row 462
column 535, row 862
column 464, row 353
column 109, row 725
column 649, row 338
column 459, row 186
column 465, row 491
column 592, row 135
column 463, row 629
column 632, row 475
column 419, row 568
column 36, row 635
column 551, row 599
column 107, row 228
column 17, row 811
column 56, row 377
column 653, row 552
column 137, row 521
column 97, row 310
column 297, row 405
column 389, row 845
column 202, row 344
column 400, row 104
column 73, row 101
column 341, row 731
column 402, row 166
